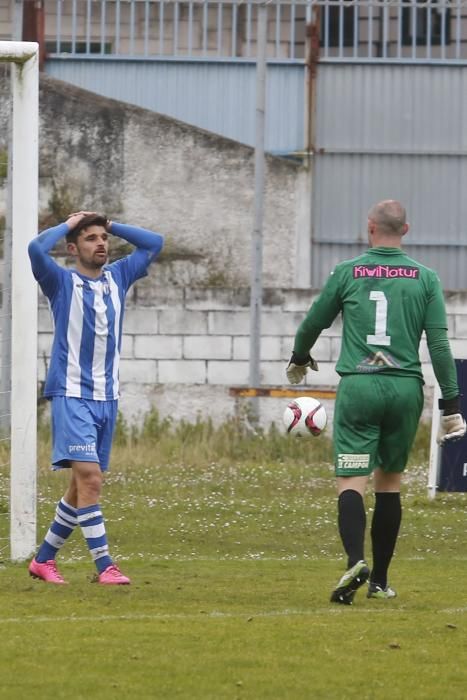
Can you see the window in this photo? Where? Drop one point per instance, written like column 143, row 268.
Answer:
column 334, row 20
column 426, row 26
column 95, row 47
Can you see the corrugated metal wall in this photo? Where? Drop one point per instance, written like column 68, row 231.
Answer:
column 396, row 132
column 217, row 96
column 382, row 131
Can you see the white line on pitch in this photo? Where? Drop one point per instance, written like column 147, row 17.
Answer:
column 215, row 614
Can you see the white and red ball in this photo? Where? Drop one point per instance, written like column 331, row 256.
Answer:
column 305, row 416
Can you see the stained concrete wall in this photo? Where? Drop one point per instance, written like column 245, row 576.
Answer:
column 194, row 187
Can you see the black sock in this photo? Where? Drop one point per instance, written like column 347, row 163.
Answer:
column 384, row 531
column 352, row 523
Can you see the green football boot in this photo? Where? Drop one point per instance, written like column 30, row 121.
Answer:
column 350, row 582
column 375, row 591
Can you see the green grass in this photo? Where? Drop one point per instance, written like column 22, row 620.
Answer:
column 231, row 544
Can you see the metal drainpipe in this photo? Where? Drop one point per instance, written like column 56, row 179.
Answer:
column 312, row 59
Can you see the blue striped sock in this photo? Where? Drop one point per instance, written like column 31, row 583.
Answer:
column 61, row 528
column 91, row 521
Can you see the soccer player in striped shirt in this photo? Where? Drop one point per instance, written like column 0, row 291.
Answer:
column 387, row 300
column 87, row 305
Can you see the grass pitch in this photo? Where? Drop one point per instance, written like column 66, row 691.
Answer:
column 232, row 547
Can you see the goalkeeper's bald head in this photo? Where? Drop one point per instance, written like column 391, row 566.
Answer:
column 389, row 217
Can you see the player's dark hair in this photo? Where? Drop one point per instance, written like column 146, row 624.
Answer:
column 86, row 221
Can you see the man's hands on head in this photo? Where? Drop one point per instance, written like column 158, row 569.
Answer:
column 74, row 219
column 298, row 367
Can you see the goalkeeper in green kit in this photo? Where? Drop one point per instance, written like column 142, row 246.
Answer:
column 387, row 300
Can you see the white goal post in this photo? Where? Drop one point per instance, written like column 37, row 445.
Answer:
column 435, row 449
column 24, row 136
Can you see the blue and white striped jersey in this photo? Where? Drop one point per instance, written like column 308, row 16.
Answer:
column 88, row 315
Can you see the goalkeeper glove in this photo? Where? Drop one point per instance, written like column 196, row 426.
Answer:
column 452, row 425
column 298, row 367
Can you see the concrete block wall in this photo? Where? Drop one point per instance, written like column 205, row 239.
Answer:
column 184, row 348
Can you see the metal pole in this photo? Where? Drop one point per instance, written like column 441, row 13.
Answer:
column 257, row 238
column 17, row 28
column 312, row 58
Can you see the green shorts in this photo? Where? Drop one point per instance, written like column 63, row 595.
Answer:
column 375, row 421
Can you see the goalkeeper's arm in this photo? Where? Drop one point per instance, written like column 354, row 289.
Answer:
column 452, row 423
column 320, row 316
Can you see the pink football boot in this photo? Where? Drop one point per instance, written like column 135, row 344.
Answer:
column 113, row 576
column 47, row 571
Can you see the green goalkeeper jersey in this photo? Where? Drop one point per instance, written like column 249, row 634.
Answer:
column 387, row 301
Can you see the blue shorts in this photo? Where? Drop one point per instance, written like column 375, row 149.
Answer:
column 82, row 431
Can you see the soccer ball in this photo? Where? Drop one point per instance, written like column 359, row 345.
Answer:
column 305, row 416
